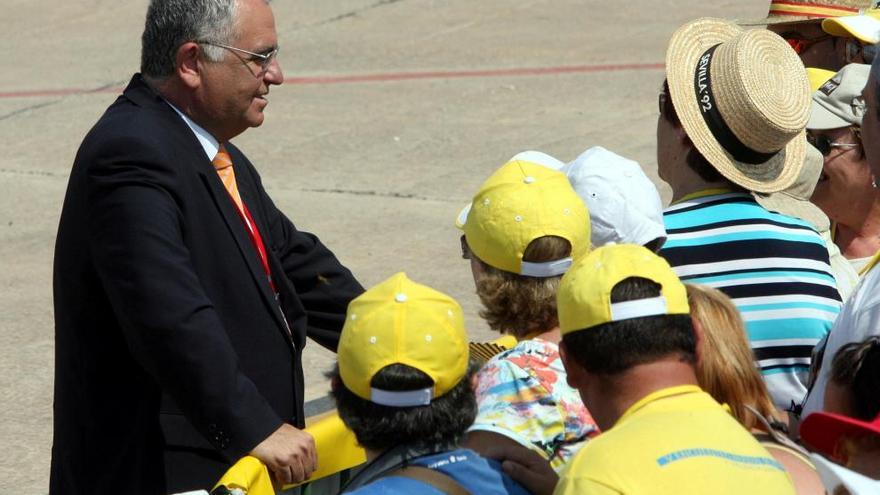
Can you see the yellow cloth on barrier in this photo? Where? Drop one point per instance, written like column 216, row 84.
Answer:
column 250, row 475
column 338, row 450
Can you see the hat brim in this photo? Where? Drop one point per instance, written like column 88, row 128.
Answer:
column 771, row 20
column 821, row 118
column 688, row 44
column 864, row 28
column 823, row 431
column 794, row 207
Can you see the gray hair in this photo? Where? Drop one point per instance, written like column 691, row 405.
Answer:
column 171, row 23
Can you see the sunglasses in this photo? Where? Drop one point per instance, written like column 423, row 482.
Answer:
column 855, row 49
column 824, row 143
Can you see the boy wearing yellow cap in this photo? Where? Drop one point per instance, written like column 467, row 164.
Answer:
column 403, row 386
column 629, row 348
column 521, row 232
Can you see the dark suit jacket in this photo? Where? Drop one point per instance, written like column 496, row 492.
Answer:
column 172, row 358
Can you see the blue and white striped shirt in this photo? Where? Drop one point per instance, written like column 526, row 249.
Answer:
column 775, row 269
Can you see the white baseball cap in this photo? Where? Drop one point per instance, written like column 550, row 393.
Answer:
column 624, row 205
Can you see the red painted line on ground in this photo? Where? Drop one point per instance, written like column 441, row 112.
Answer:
column 535, row 71
column 381, row 77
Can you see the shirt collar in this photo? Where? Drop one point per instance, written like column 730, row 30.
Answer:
column 703, row 194
column 209, row 143
column 655, row 396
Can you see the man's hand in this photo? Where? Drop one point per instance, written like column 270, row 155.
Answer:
column 289, row 454
column 528, row 468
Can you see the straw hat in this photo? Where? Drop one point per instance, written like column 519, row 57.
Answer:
column 786, row 11
column 753, row 104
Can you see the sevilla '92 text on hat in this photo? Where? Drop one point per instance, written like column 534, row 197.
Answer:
column 402, row 322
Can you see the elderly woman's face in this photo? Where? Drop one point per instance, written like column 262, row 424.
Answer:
column 846, row 176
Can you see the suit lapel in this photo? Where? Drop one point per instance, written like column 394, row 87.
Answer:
column 141, row 94
column 237, row 228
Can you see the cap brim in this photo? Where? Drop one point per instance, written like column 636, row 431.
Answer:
column 834, row 475
column 776, row 19
column 461, row 219
column 821, row 118
column 794, row 207
column 864, row 28
column 818, row 77
column 688, row 44
column 538, row 158
column 822, row 431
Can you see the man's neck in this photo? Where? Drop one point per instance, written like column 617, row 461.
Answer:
column 683, row 190
column 685, row 181
column 172, row 91
column 622, row 391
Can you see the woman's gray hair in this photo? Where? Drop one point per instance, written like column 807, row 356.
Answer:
column 171, row 23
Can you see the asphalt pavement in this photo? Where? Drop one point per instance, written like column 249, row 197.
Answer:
column 392, row 115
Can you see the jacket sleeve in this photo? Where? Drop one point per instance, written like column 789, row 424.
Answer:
column 171, row 327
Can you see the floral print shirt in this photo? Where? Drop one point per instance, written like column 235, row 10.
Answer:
column 522, row 394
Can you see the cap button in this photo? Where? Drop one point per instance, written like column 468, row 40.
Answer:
column 400, row 297
column 528, row 179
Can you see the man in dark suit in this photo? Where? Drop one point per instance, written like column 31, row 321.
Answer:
column 183, row 296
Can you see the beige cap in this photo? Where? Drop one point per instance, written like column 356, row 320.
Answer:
column 839, row 103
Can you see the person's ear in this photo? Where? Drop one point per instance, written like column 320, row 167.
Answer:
column 574, row 373
column 187, row 64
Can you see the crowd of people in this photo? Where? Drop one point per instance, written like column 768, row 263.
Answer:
column 729, row 343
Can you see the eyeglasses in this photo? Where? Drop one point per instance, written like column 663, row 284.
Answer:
column 465, row 249
column 264, row 59
column 824, row 143
column 800, row 45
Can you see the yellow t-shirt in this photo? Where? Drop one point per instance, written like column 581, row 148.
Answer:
column 675, row 441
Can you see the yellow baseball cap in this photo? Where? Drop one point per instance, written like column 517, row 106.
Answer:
column 584, row 296
column 520, row 202
column 402, row 322
column 864, row 27
column 818, row 77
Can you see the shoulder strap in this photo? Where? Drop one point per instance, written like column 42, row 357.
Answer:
column 776, row 435
column 438, row 480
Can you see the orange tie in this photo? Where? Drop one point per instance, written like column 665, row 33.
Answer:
column 223, row 165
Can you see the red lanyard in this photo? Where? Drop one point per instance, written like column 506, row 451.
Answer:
column 256, row 240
